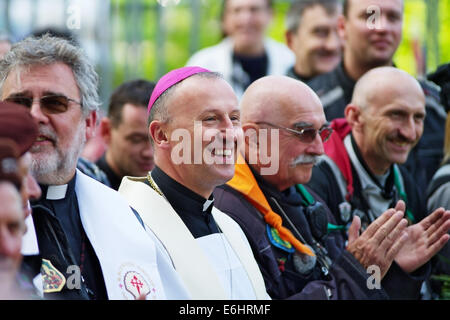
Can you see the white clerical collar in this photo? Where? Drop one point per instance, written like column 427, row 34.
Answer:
column 56, row 192
column 208, row 203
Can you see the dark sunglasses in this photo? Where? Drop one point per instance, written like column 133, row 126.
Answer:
column 306, row 135
column 51, row 104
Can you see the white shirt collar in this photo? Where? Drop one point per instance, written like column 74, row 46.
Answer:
column 56, row 192
column 207, row 203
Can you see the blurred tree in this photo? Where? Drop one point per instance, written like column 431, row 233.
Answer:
column 148, row 38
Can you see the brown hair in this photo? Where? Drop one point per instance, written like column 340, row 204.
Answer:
column 136, row 92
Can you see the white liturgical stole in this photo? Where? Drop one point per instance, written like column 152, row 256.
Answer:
column 130, row 260
column 216, row 266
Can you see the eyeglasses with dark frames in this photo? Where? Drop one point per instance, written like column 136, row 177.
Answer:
column 50, row 104
column 306, row 135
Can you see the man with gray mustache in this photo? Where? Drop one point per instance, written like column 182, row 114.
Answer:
column 305, row 159
column 293, row 234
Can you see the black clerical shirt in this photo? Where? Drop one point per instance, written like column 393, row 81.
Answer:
column 193, row 209
column 63, row 242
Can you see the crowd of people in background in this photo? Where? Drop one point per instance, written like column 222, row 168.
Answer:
column 260, row 170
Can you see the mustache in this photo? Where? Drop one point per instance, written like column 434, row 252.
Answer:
column 400, row 138
column 305, row 159
column 49, row 133
column 328, row 53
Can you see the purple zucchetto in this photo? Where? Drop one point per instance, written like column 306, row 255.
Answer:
column 170, row 79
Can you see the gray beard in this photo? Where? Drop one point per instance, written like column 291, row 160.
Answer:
column 57, row 168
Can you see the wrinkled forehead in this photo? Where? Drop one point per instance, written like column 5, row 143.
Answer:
column 304, row 112
column 406, row 97
column 56, row 77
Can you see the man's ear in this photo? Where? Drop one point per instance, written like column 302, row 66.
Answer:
column 91, row 124
column 157, row 132
column 250, row 135
column 250, row 142
column 289, row 39
column 341, row 23
column 353, row 115
column 105, row 130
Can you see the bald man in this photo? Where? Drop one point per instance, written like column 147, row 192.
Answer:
column 16, row 280
column 291, row 231
column 361, row 176
column 372, row 31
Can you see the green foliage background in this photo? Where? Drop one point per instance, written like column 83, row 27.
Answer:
column 148, row 44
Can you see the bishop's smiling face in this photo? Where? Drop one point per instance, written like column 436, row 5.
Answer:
column 208, row 109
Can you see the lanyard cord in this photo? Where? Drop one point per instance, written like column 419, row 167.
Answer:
column 309, row 201
column 402, row 194
column 321, row 257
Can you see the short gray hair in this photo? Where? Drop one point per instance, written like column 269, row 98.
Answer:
column 297, row 8
column 47, row 50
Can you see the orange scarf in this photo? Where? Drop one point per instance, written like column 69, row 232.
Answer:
column 244, row 182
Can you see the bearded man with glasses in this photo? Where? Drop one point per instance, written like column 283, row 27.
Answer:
column 293, row 234
column 93, row 245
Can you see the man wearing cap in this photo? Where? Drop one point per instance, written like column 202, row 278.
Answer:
column 16, row 278
column 91, row 242
column 17, row 124
column 194, row 124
